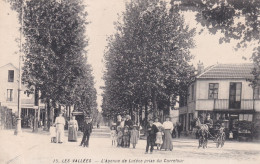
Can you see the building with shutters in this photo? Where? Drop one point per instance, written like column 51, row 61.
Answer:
column 9, row 79
column 223, row 91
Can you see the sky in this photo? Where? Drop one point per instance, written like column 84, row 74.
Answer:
column 102, row 15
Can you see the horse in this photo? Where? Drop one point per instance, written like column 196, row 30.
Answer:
column 202, row 132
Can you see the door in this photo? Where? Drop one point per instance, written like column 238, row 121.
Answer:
column 235, row 95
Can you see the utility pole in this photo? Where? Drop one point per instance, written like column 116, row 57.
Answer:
column 18, row 129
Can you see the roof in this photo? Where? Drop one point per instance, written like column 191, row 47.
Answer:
column 228, row 71
column 11, row 64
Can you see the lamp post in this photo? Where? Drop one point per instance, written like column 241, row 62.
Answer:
column 18, row 129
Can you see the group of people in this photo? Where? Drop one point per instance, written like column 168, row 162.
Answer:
column 159, row 135
column 57, row 130
column 124, row 132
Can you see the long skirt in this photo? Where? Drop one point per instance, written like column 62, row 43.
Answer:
column 167, row 141
column 72, row 136
column 59, row 133
column 134, row 138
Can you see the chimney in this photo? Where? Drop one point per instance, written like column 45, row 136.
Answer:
column 200, row 68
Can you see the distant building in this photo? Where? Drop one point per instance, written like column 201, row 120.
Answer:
column 9, row 79
column 223, row 92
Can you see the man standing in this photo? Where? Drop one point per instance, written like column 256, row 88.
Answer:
column 87, row 129
column 60, row 123
column 179, row 129
column 128, row 122
column 151, row 136
column 209, row 123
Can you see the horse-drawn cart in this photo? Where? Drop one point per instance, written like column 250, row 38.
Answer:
column 204, row 134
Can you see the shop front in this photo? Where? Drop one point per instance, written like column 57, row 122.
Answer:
column 237, row 123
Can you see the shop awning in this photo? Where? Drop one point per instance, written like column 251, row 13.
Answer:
column 234, row 111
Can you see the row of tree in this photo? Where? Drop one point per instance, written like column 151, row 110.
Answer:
column 55, row 58
column 147, row 60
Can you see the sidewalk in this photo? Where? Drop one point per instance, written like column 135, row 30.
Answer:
column 36, row 148
column 13, row 146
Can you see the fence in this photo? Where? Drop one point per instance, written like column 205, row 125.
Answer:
column 7, row 120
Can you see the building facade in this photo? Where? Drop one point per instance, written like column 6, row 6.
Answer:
column 224, row 92
column 9, row 80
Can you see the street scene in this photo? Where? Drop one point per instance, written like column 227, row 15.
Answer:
column 40, row 150
column 129, row 81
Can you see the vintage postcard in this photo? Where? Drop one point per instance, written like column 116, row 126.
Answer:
column 129, row 81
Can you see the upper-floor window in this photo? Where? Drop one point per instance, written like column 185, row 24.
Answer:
column 183, row 101
column 213, row 90
column 257, row 93
column 9, row 94
column 10, row 75
column 192, row 92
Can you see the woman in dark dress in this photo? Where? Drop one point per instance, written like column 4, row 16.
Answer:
column 73, row 128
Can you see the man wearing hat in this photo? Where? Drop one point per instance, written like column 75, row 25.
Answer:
column 151, row 131
column 209, row 123
column 87, row 129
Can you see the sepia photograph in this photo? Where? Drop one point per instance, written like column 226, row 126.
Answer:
column 129, row 81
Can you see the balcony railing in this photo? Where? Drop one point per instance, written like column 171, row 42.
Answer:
column 223, row 104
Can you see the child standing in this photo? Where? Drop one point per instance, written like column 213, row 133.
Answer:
column 113, row 134
column 126, row 136
column 159, row 140
column 134, row 136
column 119, row 136
column 53, row 134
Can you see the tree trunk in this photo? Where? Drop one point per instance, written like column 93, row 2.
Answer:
column 146, row 115
column 35, row 122
column 49, row 122
column 154, row 101
column 131, row 110
column 69, row 111
column 39, row 111
column 46, row 118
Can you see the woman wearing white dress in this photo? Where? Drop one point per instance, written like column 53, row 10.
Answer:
column 60, row 123
column 167, row 140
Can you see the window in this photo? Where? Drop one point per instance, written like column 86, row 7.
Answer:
column 183, row 101
column 235, row 95
column 10, row 75
column 190, row 120
column 192, row 92
column 247, row 117
column 9, row 95
column 213, row 90
column 257, row 93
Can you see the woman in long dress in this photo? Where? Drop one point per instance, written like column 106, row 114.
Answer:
column 59, row 123
column 73, row 128
column 167, row 140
